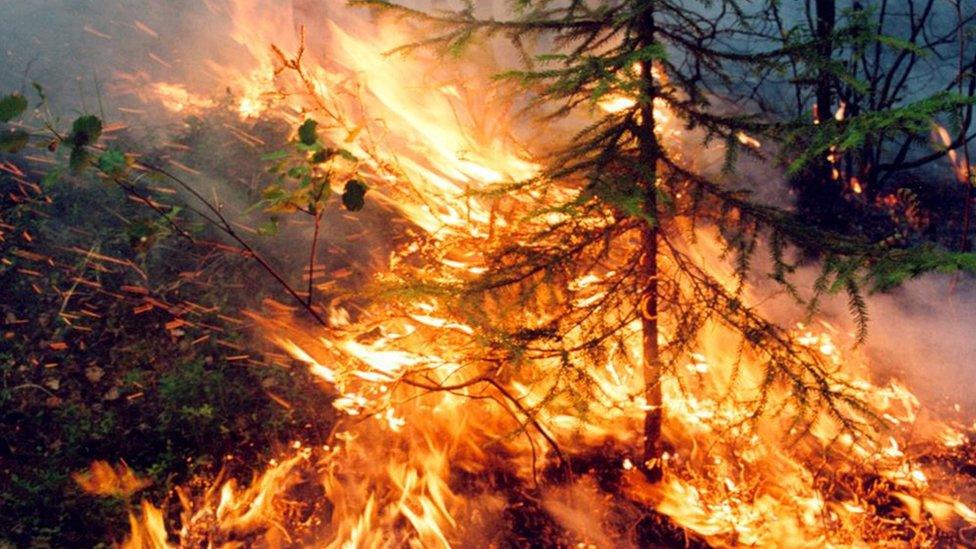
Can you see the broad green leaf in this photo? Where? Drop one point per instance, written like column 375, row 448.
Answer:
column 269, row 228
column 354, row 195
column 296, row 172
column 12, row 141
column 86, row 130
column 112, row 162
column 12, row 106
column 285, row 207
column 274, row 193
column 308, row 132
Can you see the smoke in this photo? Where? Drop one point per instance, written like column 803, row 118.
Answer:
column 77, row 49
column 920, row 333
column 923, row 333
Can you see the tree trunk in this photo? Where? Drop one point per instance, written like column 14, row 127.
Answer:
column 819, row 196
column 649, row 152
column 826, row 20
column 829, row 190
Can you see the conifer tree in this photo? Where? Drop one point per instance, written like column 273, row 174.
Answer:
column 634, row 204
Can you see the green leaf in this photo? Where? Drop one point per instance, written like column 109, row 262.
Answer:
column 269, row 228
column 902, row 44
column 12, row 106
column 274, row 194
column 296, row 172
column 52, row 177
column 323, row 189
column 314, row 147
column 112, row 162
column 276, row 155
column 86, row 130
column 40, row 92
column 12, row 141
column 308, row 132
column 354, row 195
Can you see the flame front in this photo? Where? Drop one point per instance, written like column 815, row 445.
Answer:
column 437, row 448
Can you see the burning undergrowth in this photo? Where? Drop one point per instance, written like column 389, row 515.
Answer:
column 476, row 421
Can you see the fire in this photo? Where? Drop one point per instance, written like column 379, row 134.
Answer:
column 426, row 432
column 148, row 529
column 105, row 480
column 959, row 164
column 176, row 98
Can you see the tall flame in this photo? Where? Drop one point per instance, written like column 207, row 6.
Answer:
column 428, row 440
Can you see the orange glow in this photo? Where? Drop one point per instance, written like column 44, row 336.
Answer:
column 103, row 479
column 147, row 529
column 176, row 98
column 959, row 164
column 434, row 137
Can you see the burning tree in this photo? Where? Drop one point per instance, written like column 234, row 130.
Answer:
column 582, row 308
column 619, row 203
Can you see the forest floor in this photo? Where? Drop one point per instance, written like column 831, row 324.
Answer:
column 121, row 341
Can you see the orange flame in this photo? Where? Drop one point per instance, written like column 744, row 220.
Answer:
column 959, row 165
column 416, row 412
column 103, row 479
